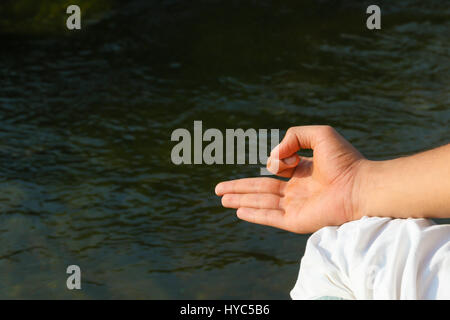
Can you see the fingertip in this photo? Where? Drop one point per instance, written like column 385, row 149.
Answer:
column 273, row 166
column 240, row 213
column 219, row 189
column 224, row 201
column 269, row 164
column 229, row 201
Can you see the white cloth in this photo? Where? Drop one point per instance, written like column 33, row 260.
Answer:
column 377, row 258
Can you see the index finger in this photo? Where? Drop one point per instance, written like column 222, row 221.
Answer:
column 296, row 138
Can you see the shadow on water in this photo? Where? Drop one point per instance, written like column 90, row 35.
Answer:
column 86, row 119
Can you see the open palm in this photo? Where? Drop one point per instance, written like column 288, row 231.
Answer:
column 321, row 190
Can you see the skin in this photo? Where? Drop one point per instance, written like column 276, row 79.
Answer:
column 338, row 184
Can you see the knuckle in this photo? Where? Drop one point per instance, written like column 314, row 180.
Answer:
column 327, row 130
column 291, row 130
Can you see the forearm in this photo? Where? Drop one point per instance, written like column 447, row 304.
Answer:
column 416, row 186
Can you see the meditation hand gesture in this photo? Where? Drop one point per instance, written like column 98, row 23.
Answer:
column 321, row 190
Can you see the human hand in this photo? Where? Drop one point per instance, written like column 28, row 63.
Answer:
column 321, row 190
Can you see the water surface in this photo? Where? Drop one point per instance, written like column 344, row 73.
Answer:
column 86, row 119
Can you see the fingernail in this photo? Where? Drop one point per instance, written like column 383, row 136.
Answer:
column 290, row 160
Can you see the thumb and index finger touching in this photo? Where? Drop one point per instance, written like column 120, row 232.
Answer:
column 283, row 158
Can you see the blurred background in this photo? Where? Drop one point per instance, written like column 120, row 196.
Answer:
column 86, row 118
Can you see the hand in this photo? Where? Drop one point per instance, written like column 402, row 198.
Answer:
column 321, row 190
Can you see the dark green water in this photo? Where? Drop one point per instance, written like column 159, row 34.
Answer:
column 86, row 119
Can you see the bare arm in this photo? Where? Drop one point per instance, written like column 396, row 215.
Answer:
column 416, row 186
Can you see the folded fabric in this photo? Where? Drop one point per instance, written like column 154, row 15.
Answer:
column 377, row 258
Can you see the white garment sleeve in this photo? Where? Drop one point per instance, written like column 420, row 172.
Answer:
column 377, row 258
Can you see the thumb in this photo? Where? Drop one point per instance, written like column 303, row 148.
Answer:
column 276, row 166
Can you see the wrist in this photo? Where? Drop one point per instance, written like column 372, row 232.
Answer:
column 375, row 190
column 363, row 186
